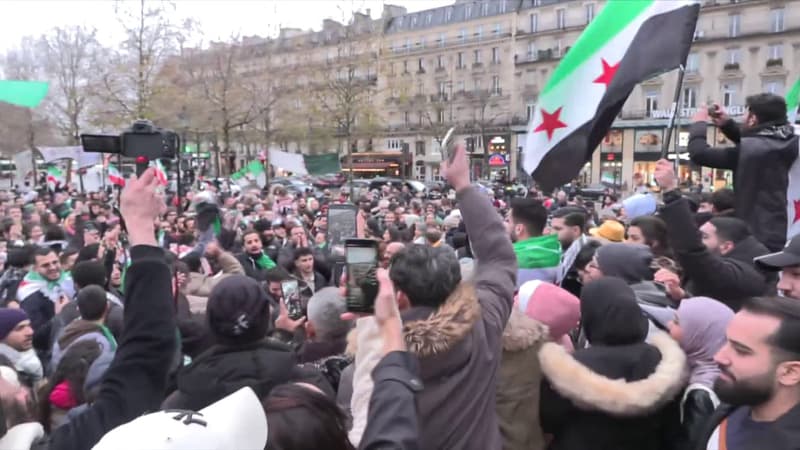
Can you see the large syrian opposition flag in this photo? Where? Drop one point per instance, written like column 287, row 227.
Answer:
column 628, row 42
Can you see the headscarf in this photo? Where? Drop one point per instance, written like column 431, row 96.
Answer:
column 703, row 322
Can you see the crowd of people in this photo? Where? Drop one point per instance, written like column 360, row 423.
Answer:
column 667, row 320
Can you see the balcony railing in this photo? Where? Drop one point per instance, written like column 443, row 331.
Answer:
column 775, row 62
column 731, row 67
column 440, row 97
column 440, row 69
column 477, row 65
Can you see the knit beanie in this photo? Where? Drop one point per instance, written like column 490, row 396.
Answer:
column 550, row 305
column 9, row 318
column 639, row 205
column 238, row 311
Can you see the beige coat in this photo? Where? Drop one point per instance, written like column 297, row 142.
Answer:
column 200, row 285
column 518, row 383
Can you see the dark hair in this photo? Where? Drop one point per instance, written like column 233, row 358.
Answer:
column 248, row 233
column 73, row 368
column 654, row 232
column 88, row 253
column 19, row 257
column 276, row 275
column 768, row 108
column 730, row 229
column 395, row 234
column 723, row 200
column 433, row 236
column 92, row 302
column 299, row 252
column 427, row 275
column 42, row 251
column 86, row 273
column 192, row 261
column 226, row 239
column 54, row 233
column 186, row 238
column 586, row 253
column 529, row 213
column 324, row 424
column 576, row 219
column 787, row 338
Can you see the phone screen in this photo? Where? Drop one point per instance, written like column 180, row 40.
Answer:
column 362, row 261
column 291, row 297
column 341, row 226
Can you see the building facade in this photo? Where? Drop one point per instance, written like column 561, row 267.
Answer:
column 479, row 66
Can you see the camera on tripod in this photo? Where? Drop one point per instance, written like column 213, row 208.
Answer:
column 142, row 139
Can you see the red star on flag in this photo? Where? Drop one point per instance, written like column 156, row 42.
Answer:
column 796, row 211
column 550, row 123
column 608, row 73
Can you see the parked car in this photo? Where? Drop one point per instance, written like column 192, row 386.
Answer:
column 328, row 181
column 594, row 191
column 416, row 187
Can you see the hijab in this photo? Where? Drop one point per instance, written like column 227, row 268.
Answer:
column 703, row 322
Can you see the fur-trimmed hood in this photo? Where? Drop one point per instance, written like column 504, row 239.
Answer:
column 592, row 391
column 522, row 332
column 430, row 331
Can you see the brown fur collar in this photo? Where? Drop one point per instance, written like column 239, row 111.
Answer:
column 446, row 326
column 442, row 329
column 522, row 332
column 589, row 390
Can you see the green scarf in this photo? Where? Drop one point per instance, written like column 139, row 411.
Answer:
column 264, row 262
column 110, row 337
column 538, row 252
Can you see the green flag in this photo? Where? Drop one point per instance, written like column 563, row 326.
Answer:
column 322, row 164
column 23, row 93
column 628, row 42
column 792, row 101
column 254, row 168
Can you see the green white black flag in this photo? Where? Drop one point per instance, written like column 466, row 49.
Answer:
column 628, row 42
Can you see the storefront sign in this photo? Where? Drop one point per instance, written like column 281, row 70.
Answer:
column 497, row 159
column 733, row 110
column 648, row 140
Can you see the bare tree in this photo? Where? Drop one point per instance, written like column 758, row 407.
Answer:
column 70, row 62
column 347, row 86
column 130, row 82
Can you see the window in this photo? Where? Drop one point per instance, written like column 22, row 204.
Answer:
column 561, row 19
column 734, row 26
column 442, row 88
column 421, row 64
column 776, row 20
column 479, row 32
column 733, row 56
column 405, row 66
column 485, row 9
column 477, row 54
column 419, row 148
column 529, row 109
column 408, row 45
column 393, row 144
column 440, row 62
column 692, row 63
column 773, row 86
column 460, row 60
column 406, row 118
column 420, row 88
column 420, row 118
column 468, row 11
column 534, row 23
column 421, row 43
column 448, row 14
column 589, row 12
column 429, row 18
column 651, row 101
column 496, row 85
column 532, row 55
column 498, row 28
column 690, row 97
column 776, row 51
column 460, row 86
column 729, row 94
column 413, row 21
column 495, row 55
column 462, row 35
column 440, row 116
column 477, row 84
column 442, row 37
column 391, row 68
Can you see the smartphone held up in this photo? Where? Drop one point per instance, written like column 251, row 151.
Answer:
column 361, row 258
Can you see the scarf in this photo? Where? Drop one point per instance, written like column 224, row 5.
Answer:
column 26, row 362
column 53, row 290
column 538, row 252
column 263, row 261
column 703, row 322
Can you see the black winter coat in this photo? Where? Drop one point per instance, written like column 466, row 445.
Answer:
column 732, row 278
column 223, row 370
column 783, row 434
column 760, row 162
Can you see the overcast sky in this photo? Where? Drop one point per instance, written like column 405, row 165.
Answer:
column 219, row 19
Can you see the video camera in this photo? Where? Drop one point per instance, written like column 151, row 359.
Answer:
column 142, row 139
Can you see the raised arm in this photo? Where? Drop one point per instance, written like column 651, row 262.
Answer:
column 496, row 269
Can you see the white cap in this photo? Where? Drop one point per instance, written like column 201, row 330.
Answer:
column 235, row 422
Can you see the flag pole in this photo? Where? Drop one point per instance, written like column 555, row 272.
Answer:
column 673, row 114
